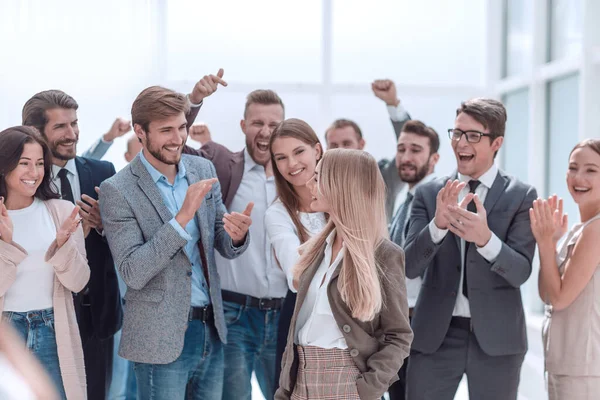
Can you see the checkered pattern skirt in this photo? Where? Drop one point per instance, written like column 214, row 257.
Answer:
column 325, row 374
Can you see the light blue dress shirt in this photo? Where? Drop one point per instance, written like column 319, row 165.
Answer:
column 174, row 195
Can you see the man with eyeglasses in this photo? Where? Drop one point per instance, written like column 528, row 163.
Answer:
column 469, row 235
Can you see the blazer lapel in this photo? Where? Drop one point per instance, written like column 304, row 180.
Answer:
column 236, row 170
column 86, row 184
column 192, row 177
column 498, row 187
column 148, row 186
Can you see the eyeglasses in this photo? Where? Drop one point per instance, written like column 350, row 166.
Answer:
column 472, row 136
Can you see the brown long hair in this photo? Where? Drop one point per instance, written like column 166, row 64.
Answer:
column 351, row 183
column 297, row 129
column 593, row 144
column 12, row 143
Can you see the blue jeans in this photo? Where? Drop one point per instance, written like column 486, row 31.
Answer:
column 251, row 346
column 123, row 385
column 197, row 374
column 36, row 328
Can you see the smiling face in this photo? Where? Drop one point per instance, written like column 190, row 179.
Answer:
column 319, row 203
column 164, row 140
column 414, row 160
column 474, row 159
column 62, row 133
column 24, row 180
column 259, row 123
column 583, row 177
column 295, row 160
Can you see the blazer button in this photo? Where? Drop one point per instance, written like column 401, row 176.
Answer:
column 189, row 273
column 347, row 328
column 353, row 352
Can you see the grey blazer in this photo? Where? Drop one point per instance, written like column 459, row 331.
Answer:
column 494, row 288
column 149, row 255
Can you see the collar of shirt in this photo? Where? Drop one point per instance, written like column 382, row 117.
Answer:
column 70, row 167
column 487, row 179
column 423, row 181
column 156, row 174
column 250, row 164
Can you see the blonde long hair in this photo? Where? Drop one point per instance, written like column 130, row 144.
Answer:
column 351, row 183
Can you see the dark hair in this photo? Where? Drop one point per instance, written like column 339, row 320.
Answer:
column 34, row 110
column 488, row 112
column 12, row 143
column 343, row 123
column 593, row 144
column 156, row 103
column 265, row 97
column 298, row 129
column 419, row 128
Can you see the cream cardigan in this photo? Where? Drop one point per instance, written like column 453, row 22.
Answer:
column 71, row 275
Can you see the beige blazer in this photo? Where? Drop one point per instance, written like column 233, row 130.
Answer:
column 71, row 275
column 378, row 347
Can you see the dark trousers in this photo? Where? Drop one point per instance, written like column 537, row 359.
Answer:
column 398, row 389
column 436, row 376
column 97, row 354
column 285, row 319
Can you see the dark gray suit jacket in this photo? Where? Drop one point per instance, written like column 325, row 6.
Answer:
column 150, row 257
column 494, row 296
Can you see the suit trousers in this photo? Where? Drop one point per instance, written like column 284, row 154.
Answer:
column 436, row 376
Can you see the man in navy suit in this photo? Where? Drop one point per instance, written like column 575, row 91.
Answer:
column 98, row 306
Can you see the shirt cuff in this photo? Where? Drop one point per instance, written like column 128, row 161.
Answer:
column 192, row 104
column 180, row 230
column 397, row 113
column 492, row 249
column 105, row 141
column 437, row 234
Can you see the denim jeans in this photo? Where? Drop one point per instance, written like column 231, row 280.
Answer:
column 197, row 374
column 123, row 385
column 36, row 328
column 251, row 346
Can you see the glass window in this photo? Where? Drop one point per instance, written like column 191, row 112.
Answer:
column 566, row 24
column 518, row 31
column 515, row 148
column 421, row 42
column 254, row 41
column 563, row 109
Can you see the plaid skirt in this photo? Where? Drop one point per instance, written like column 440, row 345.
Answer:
column 325, row 374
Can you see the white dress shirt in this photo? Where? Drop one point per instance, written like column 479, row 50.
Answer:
column 284, row 237
column 413, row 286
column 490, row 251
column 316, row 325
column 254, row 273
column 72, row 176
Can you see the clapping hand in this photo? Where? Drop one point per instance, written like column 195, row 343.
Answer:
column 237, row 224
column 548, row 223
column 6, row 225
column 68, row 227
column 470, row 226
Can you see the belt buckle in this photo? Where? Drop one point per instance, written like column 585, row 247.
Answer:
column 262, row 306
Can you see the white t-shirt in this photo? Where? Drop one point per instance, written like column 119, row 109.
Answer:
column 34, row 230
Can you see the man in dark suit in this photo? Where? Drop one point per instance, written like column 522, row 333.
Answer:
column 474, row 255
column 98, row 306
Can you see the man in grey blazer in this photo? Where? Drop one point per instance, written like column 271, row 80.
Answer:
column 164, row 219
column 474, row 255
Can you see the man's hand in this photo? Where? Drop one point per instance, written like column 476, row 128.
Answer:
column 193, row 200
column 385, row 89
column 119, row 128
column 90, row 213
column 206, row 86
column 447, row 196
column 200, row 133
column 237, row 225
column 472, row 227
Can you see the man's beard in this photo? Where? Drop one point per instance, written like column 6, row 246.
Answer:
column 420, row 173
column 56, row 154
column 158, row 155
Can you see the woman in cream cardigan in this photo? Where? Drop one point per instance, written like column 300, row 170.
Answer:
column 42, row 259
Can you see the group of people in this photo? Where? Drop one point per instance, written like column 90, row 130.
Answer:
column 327, row 274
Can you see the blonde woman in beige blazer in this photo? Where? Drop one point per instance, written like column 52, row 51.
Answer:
column 569, row 280
column 42, row 260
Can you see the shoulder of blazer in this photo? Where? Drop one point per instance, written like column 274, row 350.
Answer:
column 387, row 249
column 97, row 167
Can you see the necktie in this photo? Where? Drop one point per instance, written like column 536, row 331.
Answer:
column 65, row 186
column 399, row 223
column 473, row 184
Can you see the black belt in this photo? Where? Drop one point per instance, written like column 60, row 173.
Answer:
column 203, row 314
column 461, row 323
column 261, row 304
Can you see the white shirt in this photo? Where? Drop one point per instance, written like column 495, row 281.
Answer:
column 413, row 286
column 316, row 325
column 72, row 176
column 490, row 251
column 397, row 113
column 254, row 273
column 284, row 237
column 34, row 230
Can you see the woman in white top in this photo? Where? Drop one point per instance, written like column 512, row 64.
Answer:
column 569, row 280
column 295, row 151
column 350, row 331
column 42, row 259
